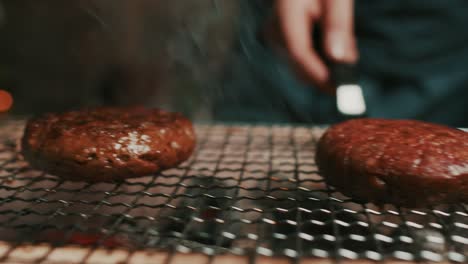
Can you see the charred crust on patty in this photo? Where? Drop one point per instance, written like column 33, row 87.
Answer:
column 108, row 144
column 403, row 162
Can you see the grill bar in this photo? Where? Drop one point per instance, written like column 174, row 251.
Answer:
column 248, row 191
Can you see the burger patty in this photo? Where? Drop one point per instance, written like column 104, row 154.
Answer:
column 107, row 144
column 408, row 163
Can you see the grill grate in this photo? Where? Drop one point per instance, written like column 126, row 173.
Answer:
column 248, row 190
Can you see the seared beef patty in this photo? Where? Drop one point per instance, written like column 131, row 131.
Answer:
column 108, row 144
column 408, row 163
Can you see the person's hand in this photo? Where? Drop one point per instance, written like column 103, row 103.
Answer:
column 295, row 22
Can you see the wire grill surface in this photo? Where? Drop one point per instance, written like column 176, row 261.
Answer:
column 247, row 190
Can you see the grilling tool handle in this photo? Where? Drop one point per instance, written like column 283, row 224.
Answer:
column 344, row 73
column 349, row 96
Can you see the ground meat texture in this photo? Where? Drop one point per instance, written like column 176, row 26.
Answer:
column 403, row 162
column 107, row 144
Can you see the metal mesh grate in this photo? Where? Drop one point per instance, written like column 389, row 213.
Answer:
column 248, row 190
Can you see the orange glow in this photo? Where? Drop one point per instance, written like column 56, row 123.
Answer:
column 6, row 101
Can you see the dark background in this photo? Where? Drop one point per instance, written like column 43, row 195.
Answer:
column 58, row 55
column 204, row 58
